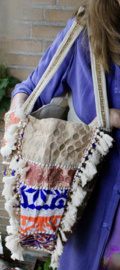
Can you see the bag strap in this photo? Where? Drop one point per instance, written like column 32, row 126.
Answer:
column 98, row 75
column 100, row 91
column 55, row 63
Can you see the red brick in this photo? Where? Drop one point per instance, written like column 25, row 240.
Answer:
column 22, row 60
column 45, row 2
column 21, row 74
column 45, row 31
column 58, row 15
column 14, row 45
column 65, row 3
column 47, row 45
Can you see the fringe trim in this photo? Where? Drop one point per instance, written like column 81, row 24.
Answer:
column 11, row 183
column 99, row 147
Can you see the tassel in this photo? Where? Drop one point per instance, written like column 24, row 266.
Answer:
column 95, row 157
column 71, row 208
column 21, row 163
column 8, row 191
column 78, row 197
column 6, row 151
column 23, row 172
column 9, row 179
column 12, row 229
column 59, row 246
column 9, row 205
column 54, row 260
column 20, row 114
column 84, row 179
column 14, row 164
column 100, row 150
column 11, row 139
column 89, row 170
column 12, row 129
column 75, row 185
column 109, row 140
column 13, row 245
column 103, row 143
column 62, row 235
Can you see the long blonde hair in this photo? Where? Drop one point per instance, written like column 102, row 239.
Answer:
column 102, row 17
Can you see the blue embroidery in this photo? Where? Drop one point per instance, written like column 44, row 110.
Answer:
column 39, row 198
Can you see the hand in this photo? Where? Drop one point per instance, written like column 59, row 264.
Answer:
column 114, row 119
column 18, row 101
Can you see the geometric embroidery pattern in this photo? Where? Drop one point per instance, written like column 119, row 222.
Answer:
column 41, row 209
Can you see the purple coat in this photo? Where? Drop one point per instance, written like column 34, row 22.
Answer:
column 86, row 245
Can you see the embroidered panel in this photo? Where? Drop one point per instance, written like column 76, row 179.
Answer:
column 59, row 142
column 48, row 177
column 41, row 209
column 40, row 241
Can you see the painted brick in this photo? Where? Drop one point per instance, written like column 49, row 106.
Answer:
column 45, row 2
column 72, row 3
column 21, row 74
column 22, row 60
column 14, row 45
column 45, row 31
column 58, row 15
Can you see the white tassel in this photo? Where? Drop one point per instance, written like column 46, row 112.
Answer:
column 78, row 197
column 6, row 150
column 89, row 170
column 54, row 260
column 62, row 235
column 100, row 149
column 59, row 246
column 103, row 143
column 12, row 129
column 23, row 172
column 9, row 179
column 8, row 191
column 21, row 163
column 20, row 114
column 13, row 244
column 66, row 225
column 84, row 179
column 9, row 205
column 108, row 139
column 14, row 163
column 13, row 228
column 95, row 157
column 71, row 208
column 11, row 139
column 77, row 181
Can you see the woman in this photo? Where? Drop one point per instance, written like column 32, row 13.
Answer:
column 97, row 234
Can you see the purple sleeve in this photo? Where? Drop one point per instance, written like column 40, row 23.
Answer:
column 56, row 85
